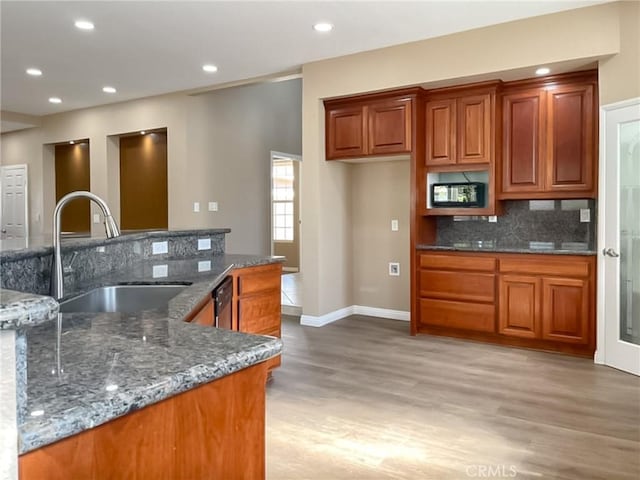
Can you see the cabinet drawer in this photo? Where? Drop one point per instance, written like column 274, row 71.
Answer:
column 259, row 313
column 475, row 287
column 259, row 279
column 467, row 316
column 457, row 262
column 546, row 265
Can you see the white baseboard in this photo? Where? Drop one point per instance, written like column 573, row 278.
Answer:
column 322, row 320
column 598, row 357
column 382, row 313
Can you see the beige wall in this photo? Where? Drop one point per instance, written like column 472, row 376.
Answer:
column 218, row 146
column 582, row 35
column 374, row 245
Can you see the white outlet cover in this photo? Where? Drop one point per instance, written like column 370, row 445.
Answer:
column 585, row 215
column 159, row 247
column 213, row 206
column 204, row 244
column 160, row 271
column 196, row 207
column 96, row 218
column 204, row 266
column 394, row 225
column 493, row 219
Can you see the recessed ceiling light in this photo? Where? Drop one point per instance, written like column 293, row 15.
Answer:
column 36, row 72
column 209, row 68
column 71, row 142
column 108, row 90
column 142, row 132
column 55, row 100
column 323, row 27
column 542, row 71
column 84, row 25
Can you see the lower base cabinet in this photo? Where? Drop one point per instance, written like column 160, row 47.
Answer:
column 542, row 301
column 214, row 431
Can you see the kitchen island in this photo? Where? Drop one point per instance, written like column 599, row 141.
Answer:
column 140, row 393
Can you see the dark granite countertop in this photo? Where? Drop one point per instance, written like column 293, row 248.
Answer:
column 550, row 248
column 18, row 309
column 86, row 368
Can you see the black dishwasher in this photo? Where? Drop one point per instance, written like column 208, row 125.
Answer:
column 222, row 301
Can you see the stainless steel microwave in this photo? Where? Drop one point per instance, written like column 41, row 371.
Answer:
column 458, row 195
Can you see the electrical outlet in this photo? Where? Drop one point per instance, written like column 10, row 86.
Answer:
column 493, row 219
column 96, row 218
column 394, row 269
column 394, row 225
column 159, row 247
column 204, row 266
column 213, row 206
column 196, row 207
column 585, row 215
column 160, row 271
column 204, row 244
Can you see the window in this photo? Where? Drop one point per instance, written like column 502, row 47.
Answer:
column 282, row 198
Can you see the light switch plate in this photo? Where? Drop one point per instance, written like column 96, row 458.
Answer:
column 213, row 206
column 585, row 215
column 160, row 271
column 196, row 207
column 96, row 218
column 204, row 244
column 394, row 225
column 159, row 247
column 394, row 269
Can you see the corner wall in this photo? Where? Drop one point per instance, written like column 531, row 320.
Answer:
column 585, row 34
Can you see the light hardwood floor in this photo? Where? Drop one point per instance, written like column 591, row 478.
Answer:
column 361, row 399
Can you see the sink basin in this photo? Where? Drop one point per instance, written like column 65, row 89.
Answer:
column 122, row 298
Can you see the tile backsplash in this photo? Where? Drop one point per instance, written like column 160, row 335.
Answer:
column 526, row 221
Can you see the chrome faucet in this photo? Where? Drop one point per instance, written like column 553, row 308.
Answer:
column 110, row 228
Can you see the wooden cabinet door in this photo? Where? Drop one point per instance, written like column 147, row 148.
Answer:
column 523, row 149
column 441, row 132
column 519, row 306
column 473, row 130
column 389, row 127
column 565, row 310
column 570, row 137
column 346, row 132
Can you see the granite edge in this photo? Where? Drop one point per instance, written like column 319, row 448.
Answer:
column 104, row 411
column 28, row 309
column 535, row 251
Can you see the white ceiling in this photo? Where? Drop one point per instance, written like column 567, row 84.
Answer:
column 154, row 47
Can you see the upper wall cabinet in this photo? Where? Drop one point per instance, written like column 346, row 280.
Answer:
column 369, row 125
column 549, row 138
column 460, row 127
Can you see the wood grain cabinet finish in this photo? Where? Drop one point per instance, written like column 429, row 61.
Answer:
column 529, row 300
column 256, row 300
column 570, row 137
column 549, row 139
column 214, row 431
column 441, row 132
column 370, row 125
column 519, row 306
column 459, row 130
column 346, row 132
column 565, row 310
column 205, row 315
column 523, row 116
column 389, row 125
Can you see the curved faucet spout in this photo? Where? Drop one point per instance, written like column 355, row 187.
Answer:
column 110, row 227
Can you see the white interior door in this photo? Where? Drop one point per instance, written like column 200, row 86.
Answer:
column 619, row 236
column 14, row 209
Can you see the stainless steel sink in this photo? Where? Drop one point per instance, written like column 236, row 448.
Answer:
column 122, row 298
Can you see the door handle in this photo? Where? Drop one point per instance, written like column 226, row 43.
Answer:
column 610, row 252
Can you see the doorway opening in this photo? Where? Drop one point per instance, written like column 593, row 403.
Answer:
column 144, row 203
column 285, row 226
column 15, row 209
column 72, row 173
